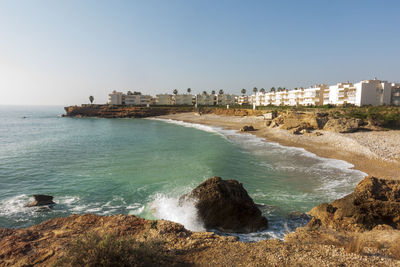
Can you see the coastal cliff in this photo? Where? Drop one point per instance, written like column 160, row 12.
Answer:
column 109, row 111
column 127, row 240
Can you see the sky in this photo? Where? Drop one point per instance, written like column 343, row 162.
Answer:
column 60, row 52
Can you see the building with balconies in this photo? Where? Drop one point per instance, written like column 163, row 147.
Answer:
column 116, row 98
column 183, row 99
column 164, row 100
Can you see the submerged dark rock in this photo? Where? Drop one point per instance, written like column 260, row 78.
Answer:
column 246, row 128
column 41, row 200
column 225, row 205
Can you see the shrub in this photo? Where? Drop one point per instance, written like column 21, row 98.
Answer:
column 93, row 249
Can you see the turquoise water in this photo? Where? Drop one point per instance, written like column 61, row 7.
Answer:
column 142, row 166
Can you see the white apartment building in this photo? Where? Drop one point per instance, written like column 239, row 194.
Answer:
column 313, row 95
column 373, row 92
column 183, row 99
column 341, row 93
column 164, row 100
column 116, row 98
column 137, row 99
column 243, row 100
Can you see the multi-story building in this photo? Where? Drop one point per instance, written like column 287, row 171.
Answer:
column 164, row 100
column 205, row 100
column 116, row 98
column 184, row 99
column 243, row 100
column 395, row 94
column 373, row 92
column 341, row 93
column 226, row 99
column 313, row 95
column 136, row 99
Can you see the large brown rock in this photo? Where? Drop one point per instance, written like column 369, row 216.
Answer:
column 226, row 206
column 343, row 125
column 374, row 202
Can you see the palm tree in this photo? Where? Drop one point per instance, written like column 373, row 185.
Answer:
column 279, row 89
column 175, row 92
column 221, row 92
column 189, row 90
column 262, row 90
column 255, row 90
column 204, row 93
column 91, row 99
column 273, row 89
column 213, row 92
column 243, row 91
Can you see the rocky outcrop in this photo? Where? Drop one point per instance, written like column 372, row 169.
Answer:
column 110, row 111
column 343, row 125
column 46, row 243
column 226, row 206
column 246, row 128
column 306, row 122
column 41, row 200
column 374, row 202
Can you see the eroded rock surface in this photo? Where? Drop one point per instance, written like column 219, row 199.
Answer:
column 374, row 202
column 226, row 206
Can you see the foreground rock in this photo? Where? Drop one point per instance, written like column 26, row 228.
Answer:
column 374, row 202
column 225, row 205
column 46, row 243
column 41, row 200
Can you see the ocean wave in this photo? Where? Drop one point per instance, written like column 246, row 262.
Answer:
column 169, row 208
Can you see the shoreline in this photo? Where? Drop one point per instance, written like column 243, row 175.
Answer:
column 345, row 146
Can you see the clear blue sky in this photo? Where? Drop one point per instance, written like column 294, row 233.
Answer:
column 60, row 52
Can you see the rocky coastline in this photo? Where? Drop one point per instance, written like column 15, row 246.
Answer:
column 328, row 240
column 361, row 229
column 110, row 111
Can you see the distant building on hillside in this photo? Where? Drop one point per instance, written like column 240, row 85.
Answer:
column 164, row 100
column 116, row 98
column 183, row 99
column 341, row 93
column 226, row 99
column 395, row 94
column 373, row 92
column 205, row 100
column 134, row 99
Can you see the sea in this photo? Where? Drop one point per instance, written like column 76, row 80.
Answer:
column 142, row 166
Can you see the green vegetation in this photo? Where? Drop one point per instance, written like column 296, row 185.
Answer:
column 93, row 249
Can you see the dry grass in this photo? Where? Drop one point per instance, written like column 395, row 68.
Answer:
column 93, row 249
column 395, row 249
column 359, row 244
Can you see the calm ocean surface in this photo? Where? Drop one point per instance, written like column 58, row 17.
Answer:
column 142, row 166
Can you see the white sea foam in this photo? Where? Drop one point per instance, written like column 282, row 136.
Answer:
column 202, row 127
column 168, row 208
column 14, row 205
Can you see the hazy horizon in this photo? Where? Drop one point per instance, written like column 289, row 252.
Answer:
column 60, row 52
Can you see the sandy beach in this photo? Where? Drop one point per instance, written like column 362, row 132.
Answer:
column 376, row 153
